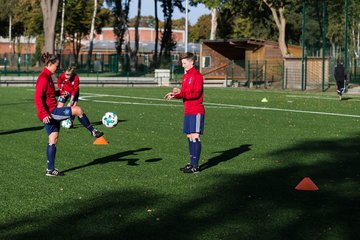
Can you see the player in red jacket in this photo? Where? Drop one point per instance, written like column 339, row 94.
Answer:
column 68, row 84
column 192, row 93
column 50, row 114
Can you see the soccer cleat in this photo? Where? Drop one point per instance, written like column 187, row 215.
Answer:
column 54, row 173
column 186, row 167
column 191, row 169
column 97, row 133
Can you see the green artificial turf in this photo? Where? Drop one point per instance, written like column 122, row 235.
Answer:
column 254, row 153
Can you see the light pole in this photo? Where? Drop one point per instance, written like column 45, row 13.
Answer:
column 186, row 25
column 346, row 36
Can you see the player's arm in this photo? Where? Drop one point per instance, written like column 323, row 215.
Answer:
column 40, row 97
column 76, row 84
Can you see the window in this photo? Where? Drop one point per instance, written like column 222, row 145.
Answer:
column 206, row 61
column 175, row 57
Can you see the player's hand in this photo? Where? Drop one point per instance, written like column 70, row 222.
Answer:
column 176, row 90
column 46, row 120
column 169, row 96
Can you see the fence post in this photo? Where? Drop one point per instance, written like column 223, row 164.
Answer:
column 355, row 66
column 5, row 65
column 283, row 75
column 265, row 79
column 257, row 74
column 248, row 73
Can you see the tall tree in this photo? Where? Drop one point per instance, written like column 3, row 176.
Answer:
column 167, row 41
column 60, row 47
column 214, row 6
column 201, row 29
column 49, row 9
column 120, row 11
column 277, row 9
column 137, row 23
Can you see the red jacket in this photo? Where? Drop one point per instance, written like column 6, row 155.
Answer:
column 45, row 100
column 192, row 92
column 71, row 85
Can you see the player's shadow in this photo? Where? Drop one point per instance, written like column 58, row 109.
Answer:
column 225, row 156
column 29, row 129
column 118, row 157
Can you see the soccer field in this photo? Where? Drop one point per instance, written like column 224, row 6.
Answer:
column 254, row 153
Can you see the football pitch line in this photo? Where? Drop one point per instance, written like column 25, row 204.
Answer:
column 88, row 97
column 335, row 98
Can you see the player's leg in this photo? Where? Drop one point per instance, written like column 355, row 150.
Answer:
column 186, row 130
column 84, row 120
column 52, row 130
column 75, row 101
column 66, row 112
column 196, row 127
column 62, row 100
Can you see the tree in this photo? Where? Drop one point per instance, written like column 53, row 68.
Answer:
column 49, row 9
column 201, row 29
column 214, row 6
column 120, row 10
column 277, row 9
column 155, row 58
column 137, row 23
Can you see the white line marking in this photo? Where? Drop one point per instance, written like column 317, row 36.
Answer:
column 207, row 105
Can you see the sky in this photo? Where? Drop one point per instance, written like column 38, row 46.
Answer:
column 147, row 8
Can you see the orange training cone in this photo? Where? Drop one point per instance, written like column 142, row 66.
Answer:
column 100, row 141
column 307, row 185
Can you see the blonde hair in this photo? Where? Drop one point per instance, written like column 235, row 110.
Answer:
column 70, row 70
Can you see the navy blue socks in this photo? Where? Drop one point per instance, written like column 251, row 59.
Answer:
column 86, row 123
column 195, row 151
column 50, row 154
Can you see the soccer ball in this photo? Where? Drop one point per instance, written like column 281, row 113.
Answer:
column 66, row 123
column 110, row 119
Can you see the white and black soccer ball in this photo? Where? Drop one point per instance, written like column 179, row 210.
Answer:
column 66, row 123
column 110, row 119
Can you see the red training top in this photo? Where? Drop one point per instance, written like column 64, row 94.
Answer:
column 70, row 85
column 192, row 92
column 45, row 100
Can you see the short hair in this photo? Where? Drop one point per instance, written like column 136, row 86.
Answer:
column 47, row 58
column 188, row 56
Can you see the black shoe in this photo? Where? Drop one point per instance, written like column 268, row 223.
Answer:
column 54, row 173
column 187, row 166
column 97, row 133
column 192, row 169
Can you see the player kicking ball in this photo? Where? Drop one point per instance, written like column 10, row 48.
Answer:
column 192, row 94
column 51, row 115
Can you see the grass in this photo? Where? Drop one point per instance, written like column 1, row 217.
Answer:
column 254, row 154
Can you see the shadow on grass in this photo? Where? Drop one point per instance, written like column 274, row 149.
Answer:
column 118, row 157
column 261, row 204
column 29, row 129
column 225, row 156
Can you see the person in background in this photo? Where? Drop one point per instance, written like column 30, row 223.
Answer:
column 340, row 77
column 192, row 94
column 51, row 115
column 68, row 84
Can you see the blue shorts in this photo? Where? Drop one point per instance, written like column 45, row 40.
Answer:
column 63, row 99
column 57, row 115
column 194, row 123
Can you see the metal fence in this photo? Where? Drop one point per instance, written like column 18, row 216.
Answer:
column 275, row 73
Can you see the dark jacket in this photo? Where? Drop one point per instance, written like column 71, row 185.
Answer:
column 340, row 74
